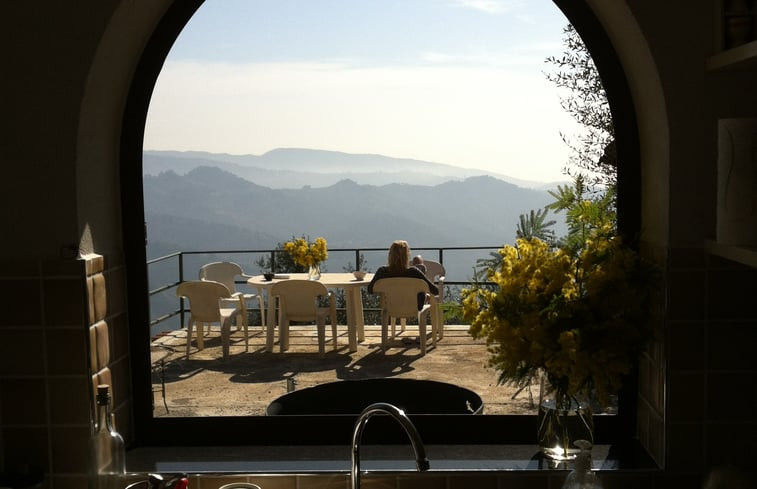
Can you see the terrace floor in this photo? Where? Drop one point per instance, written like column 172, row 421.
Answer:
column 243, row 385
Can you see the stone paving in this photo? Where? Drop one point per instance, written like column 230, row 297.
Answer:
column 206, row 385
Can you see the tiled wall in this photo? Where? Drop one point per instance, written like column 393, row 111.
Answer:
column 711, row 382
column 45, row 383
column 697, row 389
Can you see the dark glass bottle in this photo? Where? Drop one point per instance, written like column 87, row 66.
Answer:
column 108, row 448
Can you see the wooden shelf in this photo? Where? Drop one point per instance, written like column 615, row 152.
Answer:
column 745, row 255
column 740, row 57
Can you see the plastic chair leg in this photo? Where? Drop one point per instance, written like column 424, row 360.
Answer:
column 321, row 326
column 422, row 332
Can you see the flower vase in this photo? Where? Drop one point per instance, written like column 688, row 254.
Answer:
column 563, row 419
column 314, row 272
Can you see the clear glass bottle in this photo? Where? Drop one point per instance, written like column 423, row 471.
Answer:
column 108, row 448
column 582, row 477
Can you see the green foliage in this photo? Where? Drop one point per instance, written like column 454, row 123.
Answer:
column 535, row 225
column 593, row 151
column 585, row 212
column 280, row 261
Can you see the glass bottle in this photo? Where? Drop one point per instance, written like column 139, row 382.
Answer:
column 108, row 448
column 582, row 477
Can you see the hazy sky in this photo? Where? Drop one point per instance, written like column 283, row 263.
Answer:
column 451, row 81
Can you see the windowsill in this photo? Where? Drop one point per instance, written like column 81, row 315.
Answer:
column 390, row 458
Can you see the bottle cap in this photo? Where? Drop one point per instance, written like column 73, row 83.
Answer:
column 103, row 394
column 583, row 459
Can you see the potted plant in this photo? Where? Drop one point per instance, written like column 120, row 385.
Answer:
column 574, row 313
column 308, row 254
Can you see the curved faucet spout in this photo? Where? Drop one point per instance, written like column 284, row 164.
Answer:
column 399, row 415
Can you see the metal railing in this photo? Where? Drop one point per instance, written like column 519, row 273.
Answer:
column 433, row 253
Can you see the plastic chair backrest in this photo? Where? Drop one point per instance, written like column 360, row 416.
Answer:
column 222, row 271
column 299, row 297
column 204, row 297
column 400, row 295
column 434, row 270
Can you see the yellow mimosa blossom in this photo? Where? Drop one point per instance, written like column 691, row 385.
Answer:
column 580, row 319
column 307, row 254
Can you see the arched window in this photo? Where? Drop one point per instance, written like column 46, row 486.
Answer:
column 295, row 430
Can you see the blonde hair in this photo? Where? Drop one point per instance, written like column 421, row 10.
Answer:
column 399, row 255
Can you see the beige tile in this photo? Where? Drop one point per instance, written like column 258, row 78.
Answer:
column 626, row 480
column 377, row 482
column 421, row 481
column 265, row 482
column 479, row 481
column 121, row 380
column 23, row 401
column 99, row 296
column 90, row 300
column 70, row 448
column 518, row 480
column 687, row 345
column 69, row 400
column 275, row 482
column 102, row 344
column 119, row 332
column 685, row 446
column 95, row 263
column 64, row 302
column 26, row 447
column 20, row 301
column 686, row 393
column 19, row 268
column 69, row 481
column 22, row 352
column 62, row 268
column 92, row 347
column 116, row 293
column 332, row 481
column 732, row 397
column 67, row 351
column 686, row 295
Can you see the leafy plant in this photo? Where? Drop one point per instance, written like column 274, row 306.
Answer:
column 578, row 309
column 593, row 152
column 305, row 253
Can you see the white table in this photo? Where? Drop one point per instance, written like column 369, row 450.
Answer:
column 346, row 281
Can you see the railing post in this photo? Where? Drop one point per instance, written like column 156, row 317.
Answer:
column 273, row 261
column 357, row 259
column 181, row 299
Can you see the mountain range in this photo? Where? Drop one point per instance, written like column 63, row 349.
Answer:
column 216, row 203
column 297, row 167
column 210, row 208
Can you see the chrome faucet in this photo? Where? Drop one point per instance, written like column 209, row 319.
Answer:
column 399, row 415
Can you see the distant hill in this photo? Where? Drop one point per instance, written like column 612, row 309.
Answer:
column 295, row 168
column 209, row 208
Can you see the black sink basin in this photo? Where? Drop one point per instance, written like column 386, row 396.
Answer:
column 350, row 397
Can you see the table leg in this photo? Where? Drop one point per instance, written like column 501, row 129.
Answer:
column 355, row 321
column 271, row 319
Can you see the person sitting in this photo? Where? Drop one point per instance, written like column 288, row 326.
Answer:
column 397, row 266
column 418, row 263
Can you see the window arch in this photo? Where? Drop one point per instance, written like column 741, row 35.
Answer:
column 336, row 429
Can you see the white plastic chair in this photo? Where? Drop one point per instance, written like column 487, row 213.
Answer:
column 205, row 308
column 399, row 299
column 436, row 273
column 298, row 301
column 226, row 272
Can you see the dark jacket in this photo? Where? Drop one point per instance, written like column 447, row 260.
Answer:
column 411, row 272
